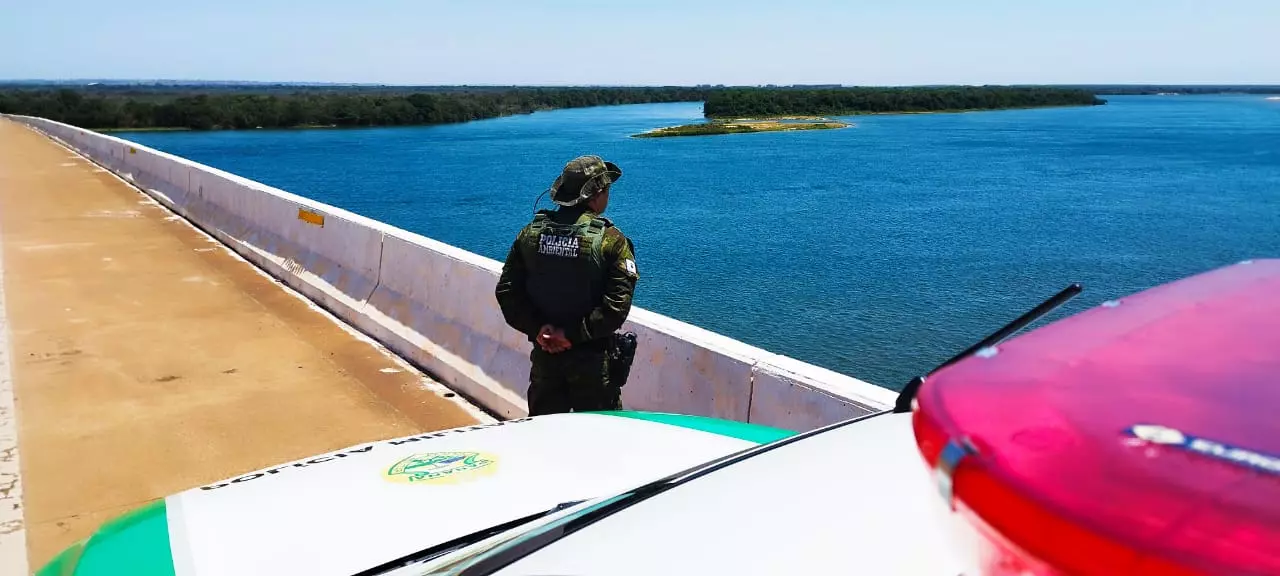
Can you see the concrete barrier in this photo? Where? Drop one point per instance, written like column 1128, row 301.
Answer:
column 325, row 253
column 431, row 307
column 165, row 177
column 682, row 368
column 793, row 394
column 433, row 304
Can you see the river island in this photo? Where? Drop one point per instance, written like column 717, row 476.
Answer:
column 739, row 110
column 745, row 126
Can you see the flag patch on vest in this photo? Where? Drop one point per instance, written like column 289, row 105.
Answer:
column 562, row 246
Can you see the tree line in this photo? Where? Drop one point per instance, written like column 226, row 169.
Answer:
column 235, row 110
column 1150, row 89
column 757, row 102
column 232, row 108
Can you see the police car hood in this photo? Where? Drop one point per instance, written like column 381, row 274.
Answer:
column 857, row 499
column 353, row 509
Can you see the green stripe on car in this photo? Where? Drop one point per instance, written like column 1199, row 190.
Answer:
column 134, row 543
column 741, row 430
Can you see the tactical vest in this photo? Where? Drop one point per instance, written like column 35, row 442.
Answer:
column 565, row 266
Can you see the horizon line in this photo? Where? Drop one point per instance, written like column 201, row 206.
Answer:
column 128, row 81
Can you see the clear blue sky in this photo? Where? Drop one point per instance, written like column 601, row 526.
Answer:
column 646, row 41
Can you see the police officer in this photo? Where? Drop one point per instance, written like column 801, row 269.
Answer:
column 567, row 285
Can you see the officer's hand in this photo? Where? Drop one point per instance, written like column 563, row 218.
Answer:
column 561, row 342
column 552, row 340
column 546, row 339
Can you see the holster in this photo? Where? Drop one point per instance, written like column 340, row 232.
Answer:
column 622, row 352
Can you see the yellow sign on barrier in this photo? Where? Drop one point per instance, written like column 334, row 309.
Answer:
column 133, row 150
column 311, row 217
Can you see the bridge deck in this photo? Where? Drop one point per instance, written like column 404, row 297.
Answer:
column 147, row 359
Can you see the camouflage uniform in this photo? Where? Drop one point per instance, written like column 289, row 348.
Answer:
column 572, row 269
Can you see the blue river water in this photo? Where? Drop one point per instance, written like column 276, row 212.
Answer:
column 876, row 251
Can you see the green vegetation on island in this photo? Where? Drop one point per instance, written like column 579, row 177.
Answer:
column 764, row 102
column 738, row 110
column 741, row 126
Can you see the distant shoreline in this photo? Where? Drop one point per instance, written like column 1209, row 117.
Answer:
column 906, row 112
column 649, row 133
column 715, row 126
column 201, row 110
column 146, row 129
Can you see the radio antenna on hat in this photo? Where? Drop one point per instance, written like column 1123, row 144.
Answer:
column 539, row 199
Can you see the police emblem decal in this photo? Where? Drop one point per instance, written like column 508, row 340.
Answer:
column 441, row 468
column 562, row 246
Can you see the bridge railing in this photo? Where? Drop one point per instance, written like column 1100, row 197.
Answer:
column 433, row 303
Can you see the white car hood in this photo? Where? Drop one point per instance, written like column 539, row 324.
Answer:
column 856, row 500
column 356, row 508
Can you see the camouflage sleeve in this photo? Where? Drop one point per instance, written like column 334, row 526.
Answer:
column 517, row 307
column 619, row 285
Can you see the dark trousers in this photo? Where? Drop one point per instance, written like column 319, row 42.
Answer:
column 576, row 380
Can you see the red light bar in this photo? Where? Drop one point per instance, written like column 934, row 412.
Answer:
column 1139, row 437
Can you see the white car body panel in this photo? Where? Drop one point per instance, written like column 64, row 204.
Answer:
column 340, row 513
column 856, row 500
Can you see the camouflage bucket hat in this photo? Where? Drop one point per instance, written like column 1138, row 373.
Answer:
column 582, row 178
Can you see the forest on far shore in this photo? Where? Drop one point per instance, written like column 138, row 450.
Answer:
column 198, row 108
column 188, row 108
column 757, row 102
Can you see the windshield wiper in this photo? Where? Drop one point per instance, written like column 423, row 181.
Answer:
column 461, row 542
